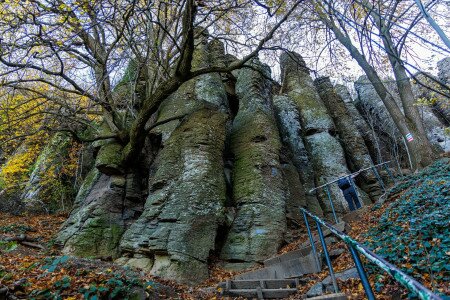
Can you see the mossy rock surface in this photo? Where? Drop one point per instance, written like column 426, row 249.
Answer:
column 258, row 190
column 101, row 213
column 299, row 86
column 288, row 119
column 187, row 194
column 356, row 151
column 109, row 159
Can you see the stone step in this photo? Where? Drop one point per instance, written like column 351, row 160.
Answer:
column 264, row 283
column 260, row 293
column 284, row 269
column 337, row 296
column 328, row 240
column 288, row 256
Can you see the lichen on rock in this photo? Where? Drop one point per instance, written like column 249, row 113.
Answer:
column 291, row 134
column 260, row 221
column 185, row 206
column 351, row 140
column 299, row 86
column 324, row 150
column 99, row 217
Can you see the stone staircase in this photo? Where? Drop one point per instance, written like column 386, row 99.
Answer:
column 282, row 275
column 260, row 289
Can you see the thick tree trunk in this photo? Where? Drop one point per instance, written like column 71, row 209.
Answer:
column 406, row 94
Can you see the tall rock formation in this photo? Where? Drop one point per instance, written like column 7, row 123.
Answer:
column 177, row 230
column 375, row 113
column 216, row 175
column 429, row 102
column 389, row 140
column 291, row 133
column 257, row 230
column 325, row 152
column 351, row 140
column 367, row 132
column 443, row 104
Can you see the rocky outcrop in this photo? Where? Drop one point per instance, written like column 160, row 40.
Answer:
column 443, row 104
column 357, row 153
column 375, row 113
column 177, row 230
column 258, row 193
column 216, row 174
column 38, row 194
column 425, row 90
column 389, row 140
column 103, row 209
column 325, row 152
column 291, row 134
column 367, row 132
column 372, row 108
column 185, row 204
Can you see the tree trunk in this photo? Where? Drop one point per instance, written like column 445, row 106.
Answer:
column 405, row 91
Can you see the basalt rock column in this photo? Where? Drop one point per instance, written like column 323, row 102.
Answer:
column 291, row 133
column 433, row 119
column 443, row 105
column 177, row 230
column 389, row 144
column 364, row 129
column 104, row 207
column 325, row 152
column 48, row 164
column 257, row 230
column 349, row 136
column 108, row 201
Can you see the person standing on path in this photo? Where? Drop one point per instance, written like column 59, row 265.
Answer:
column 349, row 191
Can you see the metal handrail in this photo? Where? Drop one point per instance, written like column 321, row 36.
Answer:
column 355, row 247
column 350, row 179
column 347, row 175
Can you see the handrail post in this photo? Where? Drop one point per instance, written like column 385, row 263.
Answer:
column 389, row 173
column 327, row 257
column 313, row 246
column 380, row 180
column 362, row 273
column 327, row 189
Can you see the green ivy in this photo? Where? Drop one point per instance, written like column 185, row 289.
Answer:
column 8, row 246
column 414, row 231
column 117, row 287
column 51, row 264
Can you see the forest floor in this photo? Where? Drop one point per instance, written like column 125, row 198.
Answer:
column 34, row 273
column 411, row 229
